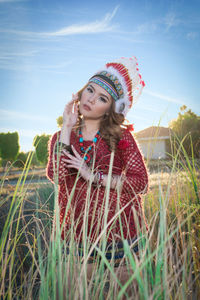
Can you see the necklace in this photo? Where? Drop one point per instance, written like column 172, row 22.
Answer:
column 87, row 156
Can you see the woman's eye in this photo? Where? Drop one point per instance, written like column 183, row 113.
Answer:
column 103, row 99
column 89, row 89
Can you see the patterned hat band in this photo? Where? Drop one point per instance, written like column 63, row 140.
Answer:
column 107, row 84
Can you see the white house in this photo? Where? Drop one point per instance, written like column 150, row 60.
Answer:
column 154, row 141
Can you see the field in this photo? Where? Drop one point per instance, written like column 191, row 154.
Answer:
column 33, row 261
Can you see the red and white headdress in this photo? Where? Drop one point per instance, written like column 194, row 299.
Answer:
column 122, row 80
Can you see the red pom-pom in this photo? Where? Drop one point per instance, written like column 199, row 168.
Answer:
column 123, row 144
column 130, row 127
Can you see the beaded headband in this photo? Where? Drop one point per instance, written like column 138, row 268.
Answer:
column 121, row 79
column 106, row 84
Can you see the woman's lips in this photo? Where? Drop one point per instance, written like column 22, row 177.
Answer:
column 86, row 107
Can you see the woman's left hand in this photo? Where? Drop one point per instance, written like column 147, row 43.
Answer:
column 76, row 161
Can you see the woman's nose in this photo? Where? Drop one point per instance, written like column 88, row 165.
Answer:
column 92, row 99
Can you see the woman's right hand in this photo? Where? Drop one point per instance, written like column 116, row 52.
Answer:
column 70, row 115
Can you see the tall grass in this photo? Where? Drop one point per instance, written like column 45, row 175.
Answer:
column 34, row 263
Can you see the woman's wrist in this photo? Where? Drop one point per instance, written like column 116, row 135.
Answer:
column 101, row 179
column 87, row 175
column 65, row 135
column 98, row 179
column 67, row 126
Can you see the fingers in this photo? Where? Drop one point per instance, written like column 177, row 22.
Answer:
column 71, row 106
column 75, row 157
column 76, row 153
column 65, row 152
column 76, row 108
column 75, row 103
column 73, row 162
column 74, row 97
column 76, row 160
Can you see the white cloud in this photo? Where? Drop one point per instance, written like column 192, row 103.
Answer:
column 94, row 27
column 160, row 24
column 16, row 115
column 89, row 28
column 164, row 97
column 170, row 20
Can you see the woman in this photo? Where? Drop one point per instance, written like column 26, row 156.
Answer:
column 92, row 130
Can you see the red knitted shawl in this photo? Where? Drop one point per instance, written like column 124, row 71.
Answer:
column 89, row 208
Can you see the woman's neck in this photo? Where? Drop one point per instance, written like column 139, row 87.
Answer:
column 90, row 126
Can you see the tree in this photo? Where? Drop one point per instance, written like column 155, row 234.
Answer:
column 41, row 147
column 187, row 125
column 34, row 161
column 9, row 145
column 21, row 159
column 59, row 121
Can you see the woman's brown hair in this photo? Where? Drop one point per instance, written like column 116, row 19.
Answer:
column 110, row 126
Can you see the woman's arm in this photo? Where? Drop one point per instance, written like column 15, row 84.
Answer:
column 69, row 120
column 57, row 172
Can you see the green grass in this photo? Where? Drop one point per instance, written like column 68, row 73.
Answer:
column 33, row 263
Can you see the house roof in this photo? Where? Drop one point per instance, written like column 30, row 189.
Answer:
column 154, row 132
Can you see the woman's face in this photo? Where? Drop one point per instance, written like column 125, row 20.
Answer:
column 94, row 102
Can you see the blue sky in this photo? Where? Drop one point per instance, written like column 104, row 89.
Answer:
column 49, row 49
